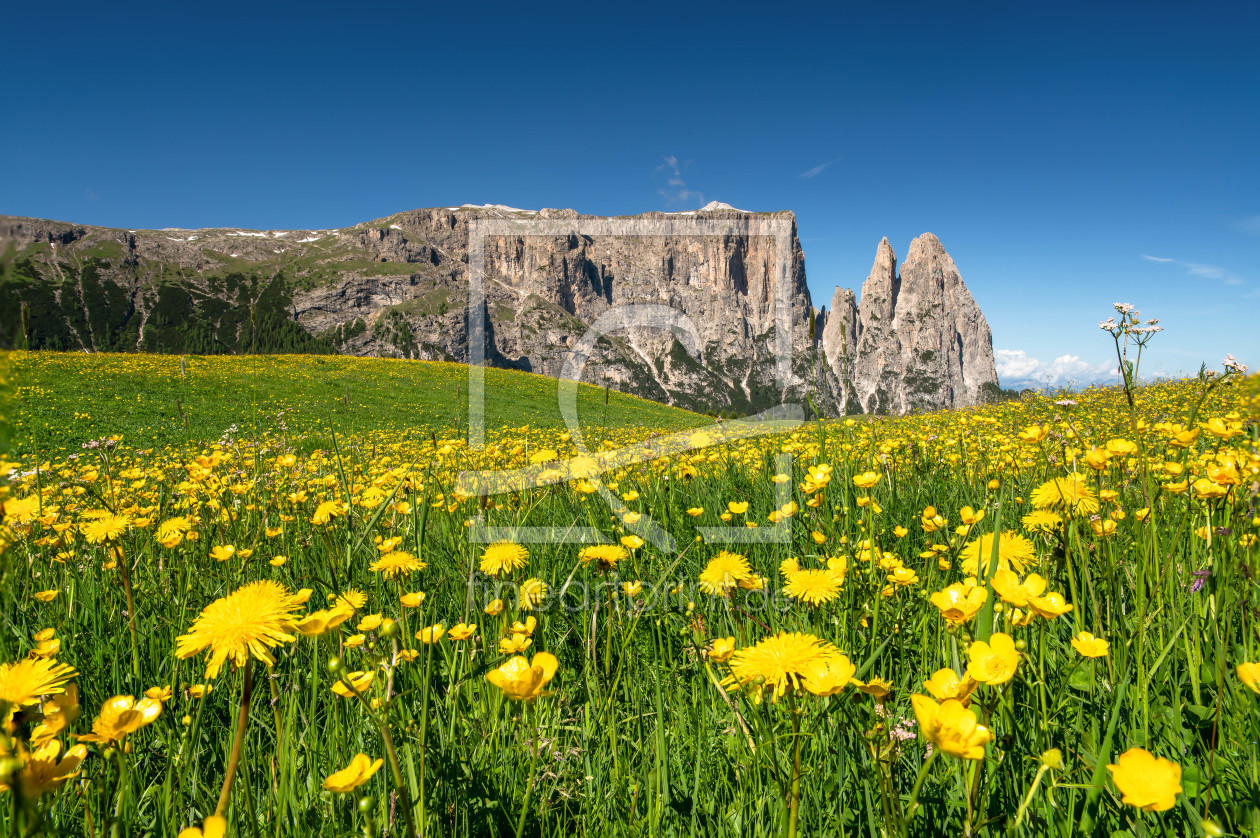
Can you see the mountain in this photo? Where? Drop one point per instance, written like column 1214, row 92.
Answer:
column 917, row 340
column 710, row 285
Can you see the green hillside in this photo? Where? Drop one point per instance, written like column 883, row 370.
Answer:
column 65, row 399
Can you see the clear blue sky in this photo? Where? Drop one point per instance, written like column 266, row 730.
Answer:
column 1050, row 146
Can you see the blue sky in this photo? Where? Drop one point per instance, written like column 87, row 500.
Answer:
column 1051, row 147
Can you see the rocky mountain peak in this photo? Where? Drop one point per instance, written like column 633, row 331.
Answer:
column 921, row 340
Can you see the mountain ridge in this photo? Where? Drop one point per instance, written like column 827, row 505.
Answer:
column 398, row 285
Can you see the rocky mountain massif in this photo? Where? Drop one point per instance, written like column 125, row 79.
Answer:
column 399, row 286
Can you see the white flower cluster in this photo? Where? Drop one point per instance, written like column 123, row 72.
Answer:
column 1129, row 324
column 1231, row 365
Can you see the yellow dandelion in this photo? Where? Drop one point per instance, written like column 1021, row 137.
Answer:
column 248, row 622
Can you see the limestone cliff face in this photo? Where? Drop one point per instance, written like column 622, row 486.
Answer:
column 917, row 340
column 399, row 286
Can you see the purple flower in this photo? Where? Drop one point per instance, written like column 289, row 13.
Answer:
column 1200, row 578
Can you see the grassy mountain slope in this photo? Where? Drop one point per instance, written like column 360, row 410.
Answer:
column 65, row 399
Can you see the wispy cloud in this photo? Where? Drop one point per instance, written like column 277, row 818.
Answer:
column 676, row 191
column 817, row 170
column 1016, row 368
column 1198, row 269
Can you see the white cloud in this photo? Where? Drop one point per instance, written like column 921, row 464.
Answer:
column 1198, row 269
column 817, row 170
column 677, row 193
column 1016, row 369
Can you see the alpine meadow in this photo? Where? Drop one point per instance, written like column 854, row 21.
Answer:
column 270, row 616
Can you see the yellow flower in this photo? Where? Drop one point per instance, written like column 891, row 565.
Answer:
column 462, row 631
column 412, row 600
column 632, row 589
column 828, row 676
column 431, row 634
column 1033, row 434
column 723, row 572
column 1070, row 494
column 960, row 602
column 120, row 716
column 865, row 480
column 632, row 542
column 951, row 727
column 104, row 526
column 23, row 683
column 532, row 593
column 877, row 687
column 47, row 596
column 359, row 681
column 45, row 769
column 222, row 552
column 358, row 772
column 494, row 607
column 994, row 662
column 1249, row 675
column 522, row 680
column 737, row 507
column 526, row 628
column 215, row 826
column 1148, row 782
column 1014, row 551
column 321, row 622
column 814, row 586
column 779, row 663
column 1041, row 520
column 370, row 623
column 1012, row 590
column 514, row 643
column 249, row 621
column 971, row 517
column 695, row 511
column 1090, row 646
column 503, row 557
column 1049, row 606
column 603, row 556
column 397, row 563
column 159, row 693
column 723, row 647
column 946, row 684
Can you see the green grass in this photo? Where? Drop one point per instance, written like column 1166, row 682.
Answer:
column 65, row 399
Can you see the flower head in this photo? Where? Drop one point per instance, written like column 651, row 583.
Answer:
column 1090, row 646
column 951, row 727
column 358, row 772
column 723, row 572
column 603, row 556
column 522, row 680
column 24, row 682
column 814, row 586
column 993, row 662
column 250, row 621
column 1148, row 782
column 946, row 684
column 396, row 564
column 1014, row 551
column 960, row 602
column 503, row 557
column 1069, row 494
column 120, row 716
column 781, row 662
